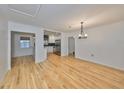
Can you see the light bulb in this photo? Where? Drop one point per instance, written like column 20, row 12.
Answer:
column 80, row 35
column 85, row 35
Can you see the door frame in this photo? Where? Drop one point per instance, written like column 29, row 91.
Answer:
column 68, row 45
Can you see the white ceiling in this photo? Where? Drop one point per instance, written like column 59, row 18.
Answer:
column 65, row 17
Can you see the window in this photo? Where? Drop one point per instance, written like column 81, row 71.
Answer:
column 24, row 42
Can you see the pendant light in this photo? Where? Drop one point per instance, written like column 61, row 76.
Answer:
column 82, row 35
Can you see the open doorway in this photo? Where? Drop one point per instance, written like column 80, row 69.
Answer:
column 52, row 42
column 22, row 46
column 71, row 46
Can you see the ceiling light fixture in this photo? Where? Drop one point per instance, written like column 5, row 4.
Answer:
column 82, row 35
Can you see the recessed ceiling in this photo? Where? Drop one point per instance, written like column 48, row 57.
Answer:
column 66, row 17
column 25, row 9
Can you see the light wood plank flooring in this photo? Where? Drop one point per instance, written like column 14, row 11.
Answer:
column 61, row 72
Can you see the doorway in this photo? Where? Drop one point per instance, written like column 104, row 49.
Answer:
column 71, row 46
column 22, row 45
column 52, row 42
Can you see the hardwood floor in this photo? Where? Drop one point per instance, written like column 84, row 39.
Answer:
column 61, row 72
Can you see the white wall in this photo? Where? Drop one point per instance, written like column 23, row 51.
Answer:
column 40, row 54
column 3, row 47
column 104, row 45
column 64, row 44
column 16, row 49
